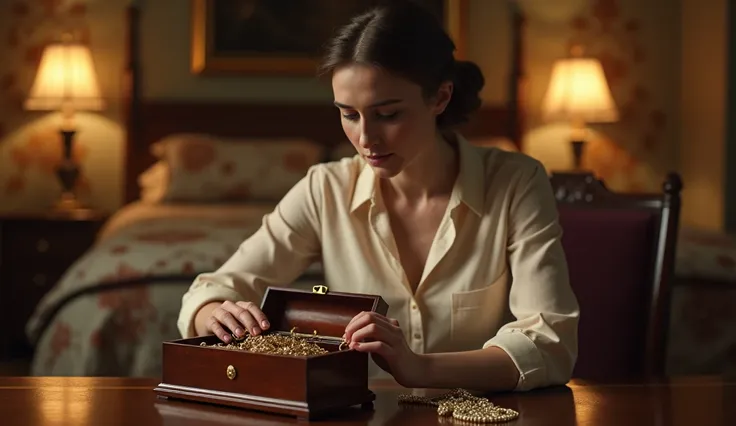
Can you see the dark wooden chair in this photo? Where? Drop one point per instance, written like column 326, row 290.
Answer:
column 620, row 250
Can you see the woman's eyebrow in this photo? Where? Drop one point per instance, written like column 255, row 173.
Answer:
column 373, row 105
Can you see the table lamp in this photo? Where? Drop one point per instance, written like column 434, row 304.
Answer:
column 66, row 82
column 578, row 93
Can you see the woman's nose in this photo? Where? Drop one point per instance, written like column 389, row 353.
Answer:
column 368, row 136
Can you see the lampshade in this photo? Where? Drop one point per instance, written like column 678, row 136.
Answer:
column 579, row 91
column 66, row 74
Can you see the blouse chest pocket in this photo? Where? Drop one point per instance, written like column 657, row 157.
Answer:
column 477, row 314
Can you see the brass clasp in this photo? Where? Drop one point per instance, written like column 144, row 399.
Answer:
column 231, row 372
column 320, row 289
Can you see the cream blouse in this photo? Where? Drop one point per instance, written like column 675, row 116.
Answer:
column 496, row 273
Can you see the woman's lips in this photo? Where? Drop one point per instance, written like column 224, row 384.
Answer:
column 377, row 160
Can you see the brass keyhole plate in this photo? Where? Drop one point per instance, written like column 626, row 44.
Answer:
column 231, row 372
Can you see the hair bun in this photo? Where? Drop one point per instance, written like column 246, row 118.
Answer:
column 468, row 81
column 469, row 75
column 406, row 38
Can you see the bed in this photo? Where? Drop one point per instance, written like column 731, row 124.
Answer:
column 701, row 337
column 112, row 309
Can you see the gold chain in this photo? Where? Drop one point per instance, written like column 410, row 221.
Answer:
column 275, row 344
column 458, row 403
column 463, row 406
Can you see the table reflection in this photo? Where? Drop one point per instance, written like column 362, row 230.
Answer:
column 535, row 408
column 63, row 404
column 184, row 413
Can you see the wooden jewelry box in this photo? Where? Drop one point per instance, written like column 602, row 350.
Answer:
column 302, row 386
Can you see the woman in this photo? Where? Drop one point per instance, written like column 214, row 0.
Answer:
column 462, row 242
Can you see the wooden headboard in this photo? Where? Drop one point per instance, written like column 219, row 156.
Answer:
column 148, row 120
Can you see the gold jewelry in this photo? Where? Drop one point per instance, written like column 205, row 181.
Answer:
column 277, row 344
column 463, row 406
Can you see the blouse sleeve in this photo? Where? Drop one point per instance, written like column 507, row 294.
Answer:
column 286, row 243
column 542, row 340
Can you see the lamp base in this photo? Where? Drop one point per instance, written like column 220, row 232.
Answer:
column 68, row 174
column 578, row 147
column 68, row 202
column 69, row 206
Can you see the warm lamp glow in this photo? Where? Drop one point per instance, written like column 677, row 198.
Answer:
column 66, row 81
column 578, row 92
column 66, row 78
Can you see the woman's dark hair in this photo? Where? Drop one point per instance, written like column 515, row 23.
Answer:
column 408, row 40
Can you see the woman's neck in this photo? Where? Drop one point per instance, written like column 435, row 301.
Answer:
column 432, row 173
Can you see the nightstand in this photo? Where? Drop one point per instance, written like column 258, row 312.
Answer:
column 35, row 251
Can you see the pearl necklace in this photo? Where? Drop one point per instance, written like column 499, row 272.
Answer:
column 463, row 406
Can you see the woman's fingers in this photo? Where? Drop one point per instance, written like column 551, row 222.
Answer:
column 371, row 331
column 359, row 321
column 378, row 331
column 363, row 319
column 237, row 318
column 377, row 348
column 246, row 317
column 225, row 317
column 243, row 316
column 215, row 326
column 256, row 313
column 350, row 327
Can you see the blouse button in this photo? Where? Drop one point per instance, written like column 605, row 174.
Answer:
column 414, row 306
column 417, row 336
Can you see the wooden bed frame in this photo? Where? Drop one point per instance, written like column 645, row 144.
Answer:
column 148, row 120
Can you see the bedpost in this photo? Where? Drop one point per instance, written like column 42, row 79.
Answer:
column 131, row 95
column 517, row 75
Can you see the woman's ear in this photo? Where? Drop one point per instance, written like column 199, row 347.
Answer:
column 444, row 94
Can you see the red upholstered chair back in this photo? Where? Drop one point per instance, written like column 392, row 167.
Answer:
column 620, row 249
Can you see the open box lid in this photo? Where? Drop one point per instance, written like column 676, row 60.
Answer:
column 320, row 309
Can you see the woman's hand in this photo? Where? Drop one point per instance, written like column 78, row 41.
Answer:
column 383, row 339
column 224, row 319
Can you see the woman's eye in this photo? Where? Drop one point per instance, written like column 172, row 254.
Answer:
column 353, row 116
column 390, row 116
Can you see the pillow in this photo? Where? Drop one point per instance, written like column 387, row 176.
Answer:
column 205, row 168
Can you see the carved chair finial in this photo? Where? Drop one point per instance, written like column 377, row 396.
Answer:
column 672, row 184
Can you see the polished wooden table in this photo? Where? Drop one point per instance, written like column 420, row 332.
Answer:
column 50, row 401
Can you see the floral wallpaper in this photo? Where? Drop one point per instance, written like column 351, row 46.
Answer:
column 635, row 153
column 630, row 37
column 34, row 24
column 30, row 142
column 638, row 45
column 42, row 151
column 615, row 39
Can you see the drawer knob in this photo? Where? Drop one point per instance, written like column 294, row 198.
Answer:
column 231, row 372
column 42, row 246
column 39, row 280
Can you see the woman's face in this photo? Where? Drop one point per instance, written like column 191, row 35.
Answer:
column 387, row 119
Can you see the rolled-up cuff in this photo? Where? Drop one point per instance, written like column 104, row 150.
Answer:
column 193, row 301
column 525, row 355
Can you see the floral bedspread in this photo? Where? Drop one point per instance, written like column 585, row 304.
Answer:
column 112, row 310
column 703, row 313
column 707, row 255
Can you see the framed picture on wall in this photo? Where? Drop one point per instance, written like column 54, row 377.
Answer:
column 284, row 37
